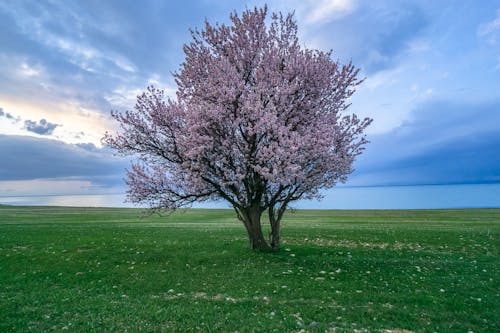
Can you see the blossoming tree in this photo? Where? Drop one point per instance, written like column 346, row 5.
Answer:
column 258, row 121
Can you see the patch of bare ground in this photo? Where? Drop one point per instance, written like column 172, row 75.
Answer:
column 355, row 244
column 171, row 295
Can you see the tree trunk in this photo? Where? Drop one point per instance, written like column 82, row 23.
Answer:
column 251, row 219
column 274, row 222
column 257, row 240
column 275, row 235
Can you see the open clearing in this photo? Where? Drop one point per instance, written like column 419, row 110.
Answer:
column 109, row 270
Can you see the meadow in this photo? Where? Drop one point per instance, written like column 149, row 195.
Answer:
column 113, row 270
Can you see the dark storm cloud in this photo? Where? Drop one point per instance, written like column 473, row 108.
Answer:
column 42, row 127
column 25, row 158
column 85, row 50
column 446, row 143
column 89, row 147
column 90, row 49
column 8, row 115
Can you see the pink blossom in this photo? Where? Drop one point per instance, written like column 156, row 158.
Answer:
column 258, row 121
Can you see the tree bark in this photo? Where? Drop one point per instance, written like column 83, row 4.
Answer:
column 256, row 237
column 251, row 220
column 274, row 237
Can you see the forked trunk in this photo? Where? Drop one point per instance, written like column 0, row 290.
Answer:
column 256, row 237
column 251, row 220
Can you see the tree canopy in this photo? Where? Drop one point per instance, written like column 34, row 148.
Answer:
column 258, row 121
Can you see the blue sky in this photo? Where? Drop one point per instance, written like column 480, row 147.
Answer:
column 432, row 84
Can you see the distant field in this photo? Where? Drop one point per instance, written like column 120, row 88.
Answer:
column 109, row 270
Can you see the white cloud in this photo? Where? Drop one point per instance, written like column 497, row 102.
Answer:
column 27, row 70
column 124, row 97
column 419, row 45
column 71, row 47
column 85, row 56
column 22, row 69
column 326, row 10
column 78, row 123
column 78, row 50
column 491, row 26
column 312, row 12
column 491, row 29
column 385, row 78
column 123, row 63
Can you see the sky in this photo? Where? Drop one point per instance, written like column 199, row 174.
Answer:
column 432, row 84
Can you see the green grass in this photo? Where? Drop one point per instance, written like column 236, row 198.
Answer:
column 109, row 270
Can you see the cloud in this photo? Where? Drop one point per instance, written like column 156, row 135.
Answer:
column 70, row 63
column 418, row 46
column 444, row 143
column 87, row 57
column 491, row 29
column 37, row 24
column 88, row 146
column 126, row 97
column 40, row 158
column 458, row 161
column 42, row 127
column 48, row 187
column 28, row 70
column 9, row 116
column 322, row 11
column 83, row 126
column 373, row 34
column 386, row 35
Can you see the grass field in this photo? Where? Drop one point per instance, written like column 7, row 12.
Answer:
column 109, row 270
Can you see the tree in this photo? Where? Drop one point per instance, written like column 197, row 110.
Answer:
column 257, row 121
